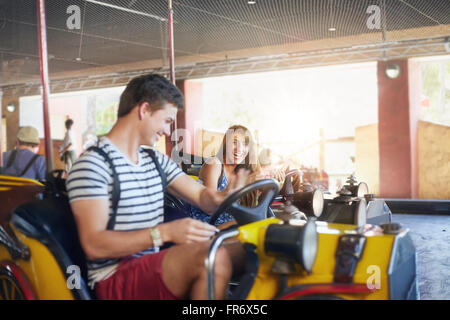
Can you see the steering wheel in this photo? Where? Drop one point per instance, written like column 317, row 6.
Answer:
column 243, row 215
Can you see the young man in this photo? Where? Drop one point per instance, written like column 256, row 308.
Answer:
column 124, row 261
column 24, row 161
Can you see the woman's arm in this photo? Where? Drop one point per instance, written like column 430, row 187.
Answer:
column 210, row 172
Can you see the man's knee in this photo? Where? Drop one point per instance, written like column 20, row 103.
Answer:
column 195, row 260
column 222, row 260
column 189, row 257
column 223, row 265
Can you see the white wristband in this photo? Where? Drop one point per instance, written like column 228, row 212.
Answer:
column 156, row 237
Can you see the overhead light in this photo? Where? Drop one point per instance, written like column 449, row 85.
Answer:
column 393, row 71
column 78, row 59
column 251, row 2
column 332, row 29
column 11, row 107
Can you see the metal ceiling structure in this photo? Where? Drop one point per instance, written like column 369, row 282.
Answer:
column 102, row 43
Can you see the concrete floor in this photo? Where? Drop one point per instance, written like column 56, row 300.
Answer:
column 431, row 236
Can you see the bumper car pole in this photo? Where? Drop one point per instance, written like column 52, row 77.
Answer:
column 1, row 128
column 172, row 68
column 43, row 62
column 211, row 257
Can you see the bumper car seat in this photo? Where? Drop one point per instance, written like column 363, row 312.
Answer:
column 51, row 222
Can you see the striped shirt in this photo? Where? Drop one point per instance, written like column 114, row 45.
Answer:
column 141, row 203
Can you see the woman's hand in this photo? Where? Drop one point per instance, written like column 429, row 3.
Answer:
column 279, row 174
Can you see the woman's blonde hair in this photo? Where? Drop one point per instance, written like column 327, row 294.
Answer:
column 250, row 162
column 251, row 159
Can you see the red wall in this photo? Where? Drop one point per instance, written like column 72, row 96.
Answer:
column 395, row 134
column 193, row 107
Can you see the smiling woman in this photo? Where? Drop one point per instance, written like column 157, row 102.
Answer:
column 238, row 150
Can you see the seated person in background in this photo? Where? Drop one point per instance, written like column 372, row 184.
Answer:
column 237, row 150
column 269, row 171
column 24, row 161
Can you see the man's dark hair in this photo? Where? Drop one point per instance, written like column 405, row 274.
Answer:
column 69, row 123
column 151, row 88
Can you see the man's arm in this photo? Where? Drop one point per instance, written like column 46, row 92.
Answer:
column 91, row 217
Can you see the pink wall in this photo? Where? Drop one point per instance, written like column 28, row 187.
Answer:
column 72, row 106
column 397, row 131
column 415, row 91
column 193, row 108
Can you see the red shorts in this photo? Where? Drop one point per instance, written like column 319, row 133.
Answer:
column 136, row 279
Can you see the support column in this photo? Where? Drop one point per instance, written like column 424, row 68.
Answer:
column 192, row 114
column 415, row 91
column 2, row 149
column 12, row 121
column 397, row 132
